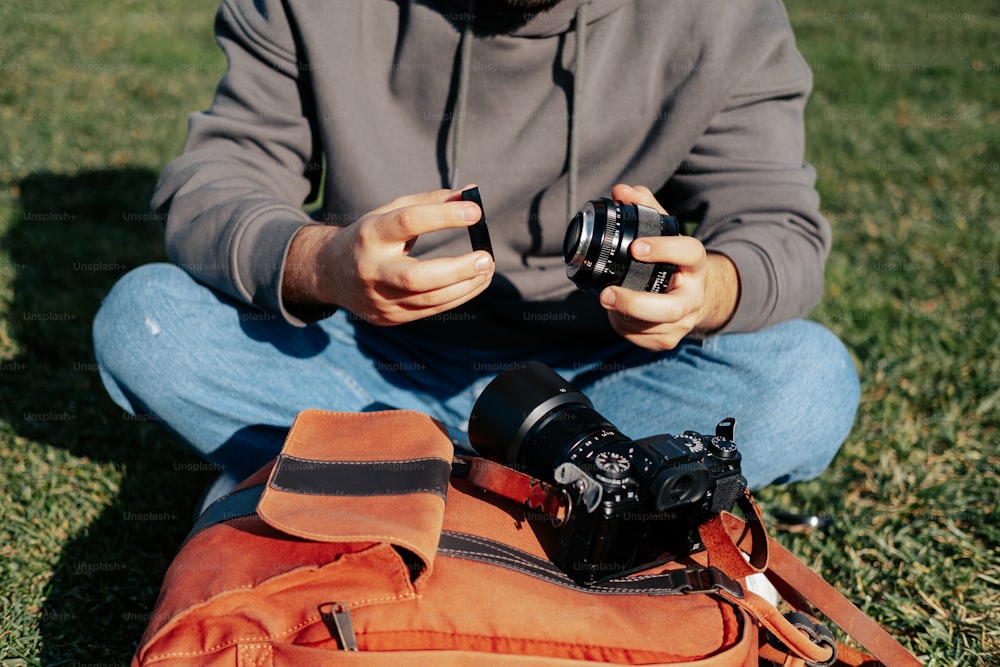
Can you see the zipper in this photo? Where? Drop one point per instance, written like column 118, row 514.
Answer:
column 337, row 617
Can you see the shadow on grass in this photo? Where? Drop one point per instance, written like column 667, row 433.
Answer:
column 75, row 236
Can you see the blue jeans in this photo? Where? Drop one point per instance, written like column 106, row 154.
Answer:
column 228, row 380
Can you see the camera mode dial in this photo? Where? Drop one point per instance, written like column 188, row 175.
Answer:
column 722, row 448
column 612, row 466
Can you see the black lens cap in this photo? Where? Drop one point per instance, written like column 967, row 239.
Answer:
column 479, row 234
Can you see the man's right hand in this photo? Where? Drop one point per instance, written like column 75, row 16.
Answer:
column 366, row 268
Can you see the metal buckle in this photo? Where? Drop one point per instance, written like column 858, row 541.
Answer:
column 817, row 632
column 553, row 501
column 705, row 580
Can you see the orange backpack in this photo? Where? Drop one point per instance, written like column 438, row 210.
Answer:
column 337, row 554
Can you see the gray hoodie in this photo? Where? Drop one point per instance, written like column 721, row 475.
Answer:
column 354, row 103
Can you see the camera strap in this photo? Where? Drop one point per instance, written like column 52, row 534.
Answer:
column 726, row 543
column 513, row 485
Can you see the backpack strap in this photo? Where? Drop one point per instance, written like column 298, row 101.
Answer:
column 808, row 592
column 670, row 582
column 787, row 571
column 237, row 504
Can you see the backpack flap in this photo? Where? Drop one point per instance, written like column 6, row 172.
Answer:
column 350, row 478
column 349, row 493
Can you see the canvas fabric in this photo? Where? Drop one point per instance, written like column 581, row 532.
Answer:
column 355, row 559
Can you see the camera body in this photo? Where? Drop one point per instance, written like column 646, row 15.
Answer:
column 655, row 492
column 597, row 242
column 634, row 503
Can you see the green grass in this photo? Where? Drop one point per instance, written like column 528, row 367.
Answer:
column 904, row 129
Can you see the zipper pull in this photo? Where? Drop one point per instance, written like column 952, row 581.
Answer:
column 338, row 619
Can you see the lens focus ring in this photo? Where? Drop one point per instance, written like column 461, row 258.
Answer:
column 612, row 228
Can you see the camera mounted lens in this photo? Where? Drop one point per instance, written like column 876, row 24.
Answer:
column 637, row 502
column 516, row 403
column 597, row 242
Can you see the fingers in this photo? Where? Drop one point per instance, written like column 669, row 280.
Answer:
column 673, row 321
column 660, row 321
column 435, row 301
column 418, row 289
column 684, row 251
column 411, row 276
column 431, row 197
column 638, row 194
column 391, row 287
column 638, row 311
column 408, row 217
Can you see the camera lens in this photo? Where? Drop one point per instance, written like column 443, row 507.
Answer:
column 597, row 242
column 531, row 418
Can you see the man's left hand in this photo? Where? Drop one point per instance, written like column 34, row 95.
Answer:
column 702, row 296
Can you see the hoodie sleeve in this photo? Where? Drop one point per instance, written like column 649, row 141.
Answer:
column 747, row 186
column 233, row 200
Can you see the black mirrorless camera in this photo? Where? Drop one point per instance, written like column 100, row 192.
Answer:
column 597, row 242
column 634, row 503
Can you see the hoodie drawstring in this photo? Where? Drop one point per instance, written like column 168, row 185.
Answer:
column 464, row 67
column 573, row 168
column 576, row 105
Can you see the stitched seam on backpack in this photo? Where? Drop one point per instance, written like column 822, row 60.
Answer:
column 527, row 568
column 347, row 539
column 309, row 621
column 269, row 653
column 518, row 565
column 663, row 656
column 389, row 462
